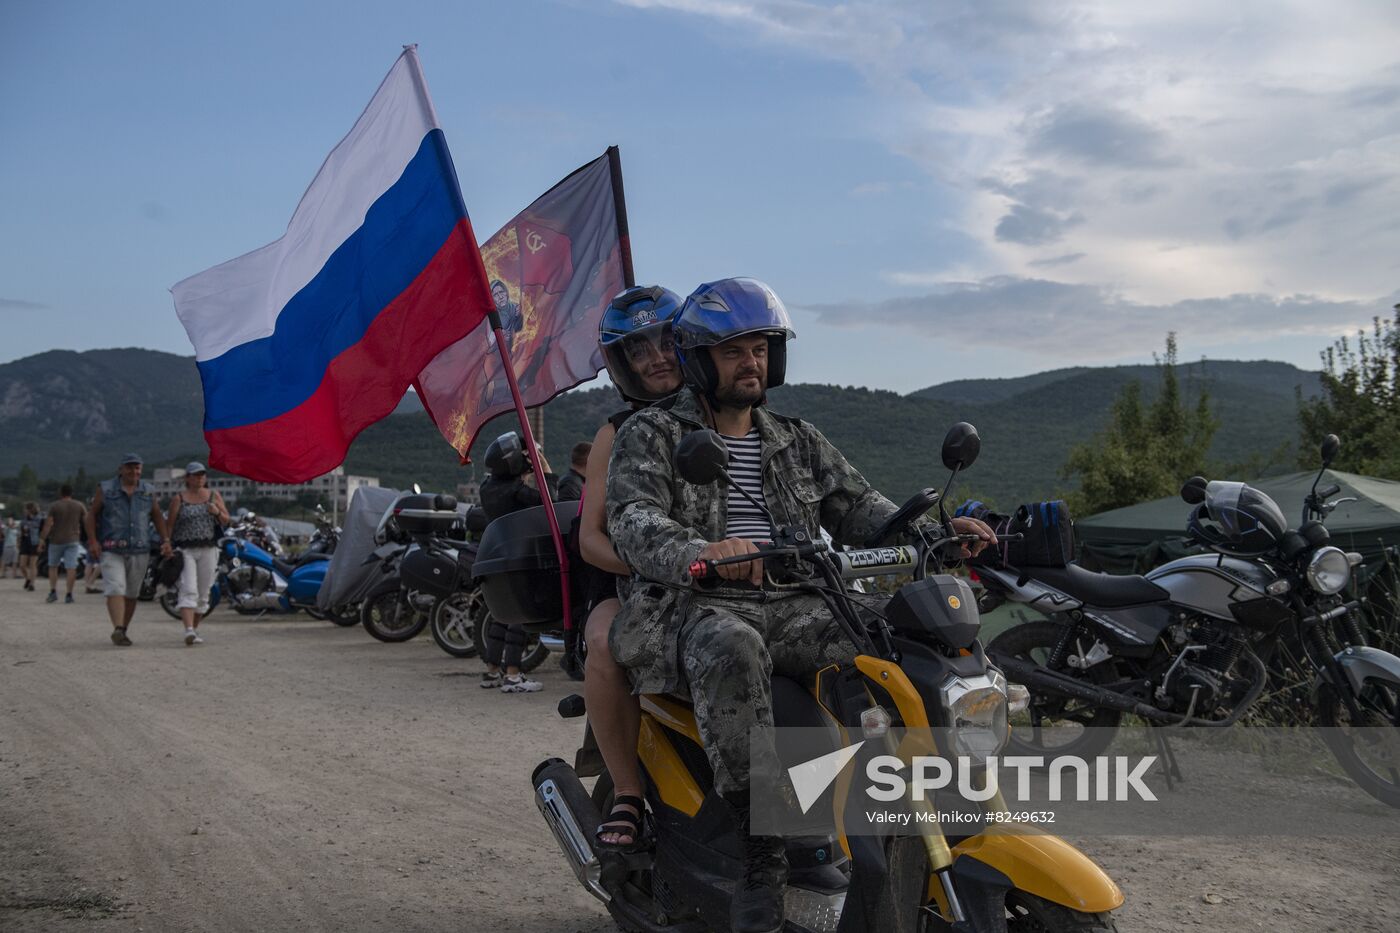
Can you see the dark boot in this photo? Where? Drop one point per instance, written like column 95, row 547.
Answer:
column 758, row 894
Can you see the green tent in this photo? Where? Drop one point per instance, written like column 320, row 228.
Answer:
column 1142, row 536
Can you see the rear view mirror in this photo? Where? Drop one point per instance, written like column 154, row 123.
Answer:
column 961, row 446
column 1331, row 446
column 1193, row 491
column 702, row 458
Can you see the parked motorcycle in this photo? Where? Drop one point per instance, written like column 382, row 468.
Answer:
column 908, row 659
column 1194, row 641
column 460, row 616
column 255, row 581
column 419, row 565
column 326, row 536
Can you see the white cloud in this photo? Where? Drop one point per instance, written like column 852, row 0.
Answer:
column 1098, row 323
column 1179, row 152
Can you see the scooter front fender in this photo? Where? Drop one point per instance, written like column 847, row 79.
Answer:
column 1045, row 866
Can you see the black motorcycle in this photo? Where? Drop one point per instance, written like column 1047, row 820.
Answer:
column 1196, row 641
column 419, row 566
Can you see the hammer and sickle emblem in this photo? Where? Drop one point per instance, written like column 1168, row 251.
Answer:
column 534, row 242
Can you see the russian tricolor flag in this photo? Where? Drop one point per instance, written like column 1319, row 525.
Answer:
column 305, row 342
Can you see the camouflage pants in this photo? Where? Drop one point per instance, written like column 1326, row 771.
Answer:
column 729, row 650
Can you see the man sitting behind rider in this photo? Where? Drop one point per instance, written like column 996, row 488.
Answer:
column 723, row 646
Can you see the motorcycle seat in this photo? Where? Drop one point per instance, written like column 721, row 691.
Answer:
column 1106, row 590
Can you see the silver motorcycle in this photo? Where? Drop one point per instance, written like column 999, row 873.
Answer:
column 1196, row 641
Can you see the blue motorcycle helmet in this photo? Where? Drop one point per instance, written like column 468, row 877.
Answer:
column 722, row 310
column 637, row 317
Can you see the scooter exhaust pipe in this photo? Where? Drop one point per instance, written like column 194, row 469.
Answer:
column 571, row 816
column 1023, row 672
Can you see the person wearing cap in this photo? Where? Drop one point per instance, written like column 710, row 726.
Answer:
column 197, row 517
column 62, row 531
column 119, row 534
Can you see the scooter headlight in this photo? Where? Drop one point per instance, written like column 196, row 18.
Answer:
column 1329, row 570
column 976, row 715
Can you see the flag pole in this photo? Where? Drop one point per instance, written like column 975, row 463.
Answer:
column 494, row 317
column 624, row 236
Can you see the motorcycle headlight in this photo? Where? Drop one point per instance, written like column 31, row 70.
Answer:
column 976, row 715
column 1329, row 570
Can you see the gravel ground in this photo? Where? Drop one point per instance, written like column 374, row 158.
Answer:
column 290, row 774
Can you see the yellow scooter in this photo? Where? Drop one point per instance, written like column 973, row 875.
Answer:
column 920, row 672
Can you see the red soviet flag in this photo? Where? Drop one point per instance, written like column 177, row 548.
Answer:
column 552, row 271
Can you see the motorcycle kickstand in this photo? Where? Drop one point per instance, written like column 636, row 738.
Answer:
column 1171, row 768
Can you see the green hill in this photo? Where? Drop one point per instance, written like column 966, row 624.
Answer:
column 61, row 410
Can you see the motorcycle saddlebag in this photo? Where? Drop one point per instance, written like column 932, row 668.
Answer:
column 1047, row 535
column 518, row 567
column 1046, row 529
column 991, row 557
column 430, row 571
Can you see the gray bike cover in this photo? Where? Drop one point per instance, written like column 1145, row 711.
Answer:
column 349, row 578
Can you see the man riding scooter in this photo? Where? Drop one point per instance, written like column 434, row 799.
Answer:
column 723, row 646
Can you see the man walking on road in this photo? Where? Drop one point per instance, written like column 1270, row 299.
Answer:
column 119, row 533
column 62, row 531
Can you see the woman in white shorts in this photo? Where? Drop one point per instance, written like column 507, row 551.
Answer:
column 197, row 516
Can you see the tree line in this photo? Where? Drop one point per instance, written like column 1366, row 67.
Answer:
column 1147, row 450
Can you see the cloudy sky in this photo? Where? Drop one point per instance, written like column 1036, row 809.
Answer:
column 937, row 190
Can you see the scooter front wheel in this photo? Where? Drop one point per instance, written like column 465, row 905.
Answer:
column 1026, row 913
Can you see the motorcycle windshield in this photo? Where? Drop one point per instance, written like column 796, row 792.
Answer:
column 1241, row 511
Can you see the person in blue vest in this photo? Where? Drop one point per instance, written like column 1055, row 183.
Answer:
column 119, row 534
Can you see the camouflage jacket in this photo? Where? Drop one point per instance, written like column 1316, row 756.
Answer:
column 659, row 523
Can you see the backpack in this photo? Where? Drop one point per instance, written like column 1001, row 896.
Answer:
column 1046, row 529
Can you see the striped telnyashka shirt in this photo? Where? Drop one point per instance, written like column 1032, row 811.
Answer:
column 745, row 521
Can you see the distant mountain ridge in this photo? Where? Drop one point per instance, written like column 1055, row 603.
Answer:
column 61, row 410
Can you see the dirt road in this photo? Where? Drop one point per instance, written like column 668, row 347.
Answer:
column 291, row 775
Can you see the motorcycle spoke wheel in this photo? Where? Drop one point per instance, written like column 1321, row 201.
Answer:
column 1054, row 725
column 454, row 621
column 1368, row 749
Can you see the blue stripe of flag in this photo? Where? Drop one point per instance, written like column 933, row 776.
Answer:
column 403, row 230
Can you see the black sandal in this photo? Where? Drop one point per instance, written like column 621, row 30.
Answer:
column 622, row 822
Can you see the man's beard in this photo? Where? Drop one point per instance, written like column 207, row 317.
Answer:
column 736, row 396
